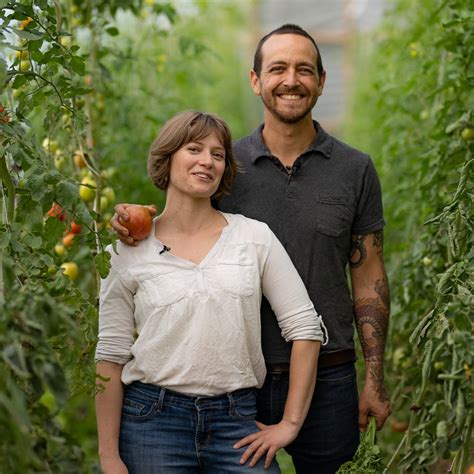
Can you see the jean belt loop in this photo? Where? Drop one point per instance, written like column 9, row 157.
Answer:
column 231, row 402
column 161, row 399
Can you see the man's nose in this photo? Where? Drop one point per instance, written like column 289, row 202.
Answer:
column 291, row 77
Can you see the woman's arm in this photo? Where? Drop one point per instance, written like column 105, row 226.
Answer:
column 300, row 324
column 303, row 362
column 108, row 403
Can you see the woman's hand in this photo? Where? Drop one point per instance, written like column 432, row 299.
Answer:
column 269, row 440
column 122, row 215
column 112, row 465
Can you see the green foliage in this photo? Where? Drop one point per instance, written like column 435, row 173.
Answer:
column 367, row 459
column 157, row 73
column 414, row 113
column 84, row 87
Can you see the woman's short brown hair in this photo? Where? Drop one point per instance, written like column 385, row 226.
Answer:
column 186, row 127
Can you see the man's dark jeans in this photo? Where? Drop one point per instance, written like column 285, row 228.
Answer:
column 330, row 434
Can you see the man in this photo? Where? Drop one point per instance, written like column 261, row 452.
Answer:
column 322, row 199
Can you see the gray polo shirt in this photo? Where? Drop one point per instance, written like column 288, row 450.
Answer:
column 331, row 192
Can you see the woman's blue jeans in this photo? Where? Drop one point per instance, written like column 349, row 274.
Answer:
column 330, row 434
column 165, row 432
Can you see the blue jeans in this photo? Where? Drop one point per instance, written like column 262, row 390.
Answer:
column 165, row 432
column 330, row 434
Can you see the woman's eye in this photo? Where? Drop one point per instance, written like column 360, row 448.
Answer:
column 219, row 156
column 193, row 149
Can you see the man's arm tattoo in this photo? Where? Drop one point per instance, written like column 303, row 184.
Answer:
column 378, row 240
column 376, row 376
column 358, row 251
column 372, row 315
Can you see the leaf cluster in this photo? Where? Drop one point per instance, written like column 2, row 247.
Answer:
column 414, row 114
column 367, row 458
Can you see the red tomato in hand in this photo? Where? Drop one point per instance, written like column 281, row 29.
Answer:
column 139, row 222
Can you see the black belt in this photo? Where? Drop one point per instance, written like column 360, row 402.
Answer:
column 326, row 359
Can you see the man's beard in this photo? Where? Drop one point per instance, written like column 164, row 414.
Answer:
column 288, row 118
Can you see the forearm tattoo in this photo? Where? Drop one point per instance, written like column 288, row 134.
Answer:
column 358, row 251
column 372, row 314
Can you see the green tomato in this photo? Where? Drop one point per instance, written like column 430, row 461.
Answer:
column 86, row 189
column 104, row 203
column 467, row 133
column 109, row 193
column 427, row 262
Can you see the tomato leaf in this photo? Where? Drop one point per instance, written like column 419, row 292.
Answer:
column 102, row 263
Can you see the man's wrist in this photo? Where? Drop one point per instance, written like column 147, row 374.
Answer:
column 374, row 369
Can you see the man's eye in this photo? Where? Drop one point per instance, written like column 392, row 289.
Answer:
column 277, row 69
column 306, row 71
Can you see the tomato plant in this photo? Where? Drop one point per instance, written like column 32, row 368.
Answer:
column 48, row 280
column 84, row 86
column 414, row 115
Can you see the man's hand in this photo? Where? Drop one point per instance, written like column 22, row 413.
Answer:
column 373, row 401
column 269, row 440
column 120, row 216
column 112, row 465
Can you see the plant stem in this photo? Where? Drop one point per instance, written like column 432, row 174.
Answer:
column 8, row 183
column 460, row 461
column 2, row 218
column 395, row 454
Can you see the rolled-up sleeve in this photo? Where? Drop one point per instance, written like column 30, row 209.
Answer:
column 116, row 318
column 284, row 289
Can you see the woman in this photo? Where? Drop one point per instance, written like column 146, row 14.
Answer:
column 179, row 326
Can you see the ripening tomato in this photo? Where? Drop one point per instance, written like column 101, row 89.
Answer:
column 139, row 223
column 70, row 269
column 68, row 240
column 75, row 228
column 57, row 211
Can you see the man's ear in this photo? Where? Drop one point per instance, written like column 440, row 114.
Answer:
column 322, row 80
column 255, row 82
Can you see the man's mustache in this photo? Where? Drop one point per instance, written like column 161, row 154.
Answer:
column 291, row 90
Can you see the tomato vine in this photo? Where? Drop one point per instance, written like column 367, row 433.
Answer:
column 414, row 107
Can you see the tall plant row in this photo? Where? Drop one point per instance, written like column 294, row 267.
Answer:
column 56, row 199
column 414, row 106
column 84, row 86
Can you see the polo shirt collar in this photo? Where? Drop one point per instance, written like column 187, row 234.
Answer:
column 323, row 143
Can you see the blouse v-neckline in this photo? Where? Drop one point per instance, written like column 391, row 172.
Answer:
column 212, row 251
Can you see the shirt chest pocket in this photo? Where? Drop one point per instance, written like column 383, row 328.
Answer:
column 334, row 214
column 168, row 288
column 234, row 273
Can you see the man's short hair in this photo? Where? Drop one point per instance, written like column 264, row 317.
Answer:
column 287, row 29
column 186, row 127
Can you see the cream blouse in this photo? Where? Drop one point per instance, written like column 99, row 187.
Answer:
column 195, row 328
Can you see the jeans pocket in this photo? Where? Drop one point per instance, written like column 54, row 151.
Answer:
column 245, row 409
column 140, row 410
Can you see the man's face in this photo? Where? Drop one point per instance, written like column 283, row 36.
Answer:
column 289, row 84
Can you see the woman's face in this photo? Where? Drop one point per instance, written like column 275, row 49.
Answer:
column 197, row 167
